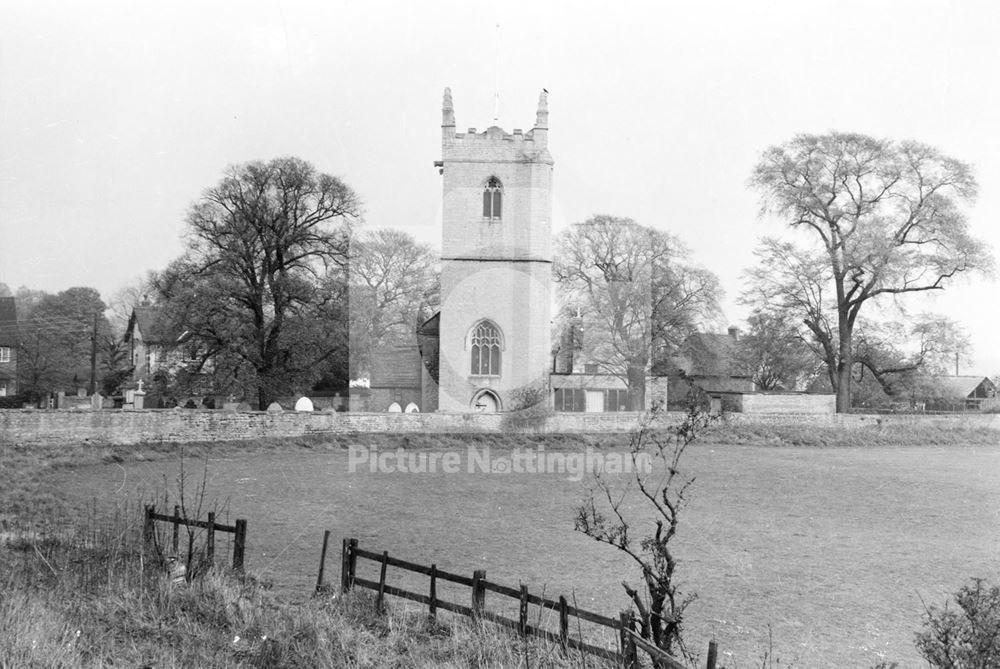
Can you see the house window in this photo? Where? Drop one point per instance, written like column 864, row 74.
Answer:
column 492, row 199
column 616, row 399
column 4, row 354
column 570, row 399
column 486, row 342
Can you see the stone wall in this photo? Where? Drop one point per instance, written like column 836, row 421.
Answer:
column 52, row 427
column 795, row 403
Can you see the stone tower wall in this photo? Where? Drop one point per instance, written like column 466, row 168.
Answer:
column 498, row 270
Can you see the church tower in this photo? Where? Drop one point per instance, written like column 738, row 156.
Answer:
column 496, row 255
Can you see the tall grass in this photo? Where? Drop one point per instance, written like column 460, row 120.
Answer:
column 98, row 597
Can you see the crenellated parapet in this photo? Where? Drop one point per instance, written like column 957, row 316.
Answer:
column 530, row 146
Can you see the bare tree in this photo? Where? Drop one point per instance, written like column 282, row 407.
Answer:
column 637, row 293
column 883, row 219
column 900, row 357
column 394, row 287
column 773, row 351
column 658, row 483
column 260, row 246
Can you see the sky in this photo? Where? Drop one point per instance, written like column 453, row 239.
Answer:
column 116, row 116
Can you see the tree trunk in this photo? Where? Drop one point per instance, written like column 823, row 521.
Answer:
column 844, row 365
column 636, row 387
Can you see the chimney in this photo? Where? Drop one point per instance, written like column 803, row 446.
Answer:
column 734, row 332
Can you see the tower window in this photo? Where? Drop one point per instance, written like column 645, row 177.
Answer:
column 486, row 350
column 492, row 199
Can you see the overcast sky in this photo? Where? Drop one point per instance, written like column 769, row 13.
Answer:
column 114, row 117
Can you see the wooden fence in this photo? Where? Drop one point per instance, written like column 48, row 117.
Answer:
column 239, row 532
column 623, row 626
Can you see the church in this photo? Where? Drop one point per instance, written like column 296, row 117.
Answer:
column 489, row 348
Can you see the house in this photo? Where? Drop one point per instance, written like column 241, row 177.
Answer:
column 9, row 342
column 154, row 342
column 709, row 361
column 950, row 393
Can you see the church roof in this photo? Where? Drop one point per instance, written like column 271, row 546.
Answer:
column 429, row 341
column 396, row 366
column 431, row 327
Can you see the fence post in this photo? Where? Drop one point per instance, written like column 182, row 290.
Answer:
column 713, row 651
column 381, row 582
column 522, row 612
column 147, row 526
column 345, row 552
column 176, row 521
column 188, row 574
column 563, row 622
column 239, row 543
column 478, row 592
column 630, row 658
column 210, row 538
column 348, row 563
column 433, row 604
column 322, row 561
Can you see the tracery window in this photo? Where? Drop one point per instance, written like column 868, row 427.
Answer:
column 486, row 344
column 492, row 199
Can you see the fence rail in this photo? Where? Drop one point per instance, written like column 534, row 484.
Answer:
column 239, row 532
column 623, row 626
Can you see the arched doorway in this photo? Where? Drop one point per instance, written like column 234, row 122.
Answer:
column 486, row 401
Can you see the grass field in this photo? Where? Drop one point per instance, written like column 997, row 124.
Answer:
column 830, row 551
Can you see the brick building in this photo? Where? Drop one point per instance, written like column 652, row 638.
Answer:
column 9, row 342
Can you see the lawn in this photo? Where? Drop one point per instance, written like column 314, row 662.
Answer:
column 829, row 551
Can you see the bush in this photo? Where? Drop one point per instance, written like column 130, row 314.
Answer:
column 967, row 637
column 13, row 401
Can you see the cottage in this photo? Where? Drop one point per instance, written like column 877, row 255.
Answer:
column 950, row 393
column 9, row 342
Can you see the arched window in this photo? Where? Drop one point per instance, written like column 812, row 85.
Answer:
column 492, row 199
column 486, row 344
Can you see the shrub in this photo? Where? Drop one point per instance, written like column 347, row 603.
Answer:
column 967, row 637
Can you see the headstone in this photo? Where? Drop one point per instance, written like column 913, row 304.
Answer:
column 96, row 402
column 412, row 408
column 304, row 405
column 138, row 397
column 395, row 408
column 274, row 407
column 243, row 406
column 230, row 407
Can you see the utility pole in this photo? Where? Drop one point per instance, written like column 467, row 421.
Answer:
column 93, row 357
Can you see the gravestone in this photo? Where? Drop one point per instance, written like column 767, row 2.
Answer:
column 274, row 407
column 304, row 405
